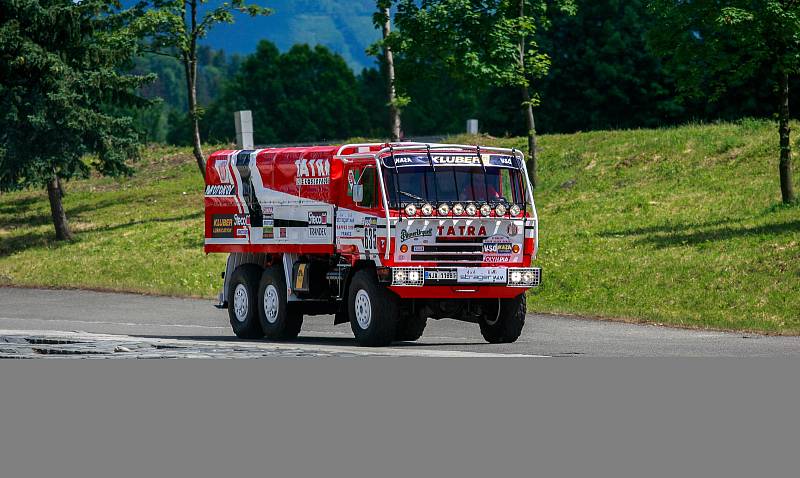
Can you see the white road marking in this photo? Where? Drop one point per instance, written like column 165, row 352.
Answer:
column 127, row 324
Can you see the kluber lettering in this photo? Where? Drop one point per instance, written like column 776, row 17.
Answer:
column 357, row 232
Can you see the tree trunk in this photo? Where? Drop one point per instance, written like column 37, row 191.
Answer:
column 395, row 125
column 54, row 193
column 530, row 121
column 190, row 66
column 785, row 165
column 533, row 154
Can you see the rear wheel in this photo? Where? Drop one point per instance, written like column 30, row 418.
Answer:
column 502, row 323
column 242, row 302
column 372, row 310
column 410, row 328
column 279, row 319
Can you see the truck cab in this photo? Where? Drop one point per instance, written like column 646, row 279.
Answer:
column 394, row 235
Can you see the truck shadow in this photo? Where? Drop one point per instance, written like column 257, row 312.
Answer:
column 303, row 340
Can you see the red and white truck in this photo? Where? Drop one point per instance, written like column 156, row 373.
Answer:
column 383, row 236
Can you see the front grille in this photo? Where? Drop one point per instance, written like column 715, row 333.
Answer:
column 459, row 250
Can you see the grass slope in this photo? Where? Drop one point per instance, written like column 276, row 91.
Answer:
column 679, row 226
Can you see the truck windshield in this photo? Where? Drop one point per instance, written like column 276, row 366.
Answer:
column 417, row 185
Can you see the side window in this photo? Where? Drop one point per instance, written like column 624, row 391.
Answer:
column 368, row 180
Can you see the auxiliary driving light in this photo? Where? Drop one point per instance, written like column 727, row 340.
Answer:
column 500, row 210
column 486, row 210
column 472, row 209
column 458, row 209
column 530, row 277
column 444, row 209
column 411, row 210
column 427, row 210
column 408, row 276
column 515, row 210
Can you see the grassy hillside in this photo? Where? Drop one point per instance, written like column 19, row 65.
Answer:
column 679, row 226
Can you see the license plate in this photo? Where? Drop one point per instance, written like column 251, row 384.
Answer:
column 441, row 275
column 482, row 275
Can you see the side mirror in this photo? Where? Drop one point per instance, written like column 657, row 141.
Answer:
column 358, row 193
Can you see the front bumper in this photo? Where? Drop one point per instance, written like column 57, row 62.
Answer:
column 515, row 277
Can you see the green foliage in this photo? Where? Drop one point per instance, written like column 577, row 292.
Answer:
column 305, row 94
column 170, row 28
column 712, row 45
column 477, row 41
column 60, row 60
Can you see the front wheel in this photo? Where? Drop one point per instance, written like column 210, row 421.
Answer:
column 372, row 310
column 503, row 323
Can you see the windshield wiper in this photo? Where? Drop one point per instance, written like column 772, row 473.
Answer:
column 413, row 196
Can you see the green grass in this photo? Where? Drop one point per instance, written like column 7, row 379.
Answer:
column 680, row 226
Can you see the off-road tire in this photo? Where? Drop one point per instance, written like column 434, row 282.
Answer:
column 245, row 280
column 506, row 326
column 285, row 322
column 410, row 328
column 381, row 305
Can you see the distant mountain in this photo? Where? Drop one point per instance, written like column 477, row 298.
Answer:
column 344, row 26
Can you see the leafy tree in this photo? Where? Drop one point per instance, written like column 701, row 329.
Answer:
column 713, row 44
column 305, row 94
column 59, row 63
column 602, row 75
column 174, row 28
column 383, row 21
column 483, row 42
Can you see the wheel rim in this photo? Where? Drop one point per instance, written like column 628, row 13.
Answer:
column 496, row 319
column 271, row 304
column 363, row 310
column 240, row 303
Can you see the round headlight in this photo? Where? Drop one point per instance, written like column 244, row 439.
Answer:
column 515, row 210
column 444, row 209
column 427, row 210
column 486, row 210
column 472, row 209
column 400, row 276
column 500, row 210
column 411, row 210
column 413, row 276
column 528, row 277
column 458, row 209
column 516, row 276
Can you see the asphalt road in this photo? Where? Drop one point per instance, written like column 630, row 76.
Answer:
column 187, row 321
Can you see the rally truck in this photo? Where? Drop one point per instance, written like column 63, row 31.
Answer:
column 383, row 236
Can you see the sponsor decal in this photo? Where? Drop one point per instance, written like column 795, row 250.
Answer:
column 220, row 190
column 406, row 235
column 221, row 167
column 512, row 229
column 317, row 218
column 282, row 233
column 316, row 232
column 470, row 160
column 466, row 231
column 496, row 259
column 482, row 275
column 345, row 224
column 313, row 172
column 229, row 225
column 497, row 248
column 268, row 231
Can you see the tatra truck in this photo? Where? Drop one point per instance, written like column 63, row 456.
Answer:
column 383, row 236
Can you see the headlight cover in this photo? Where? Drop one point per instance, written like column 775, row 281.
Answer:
column 408, row 276
column 525, row 278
